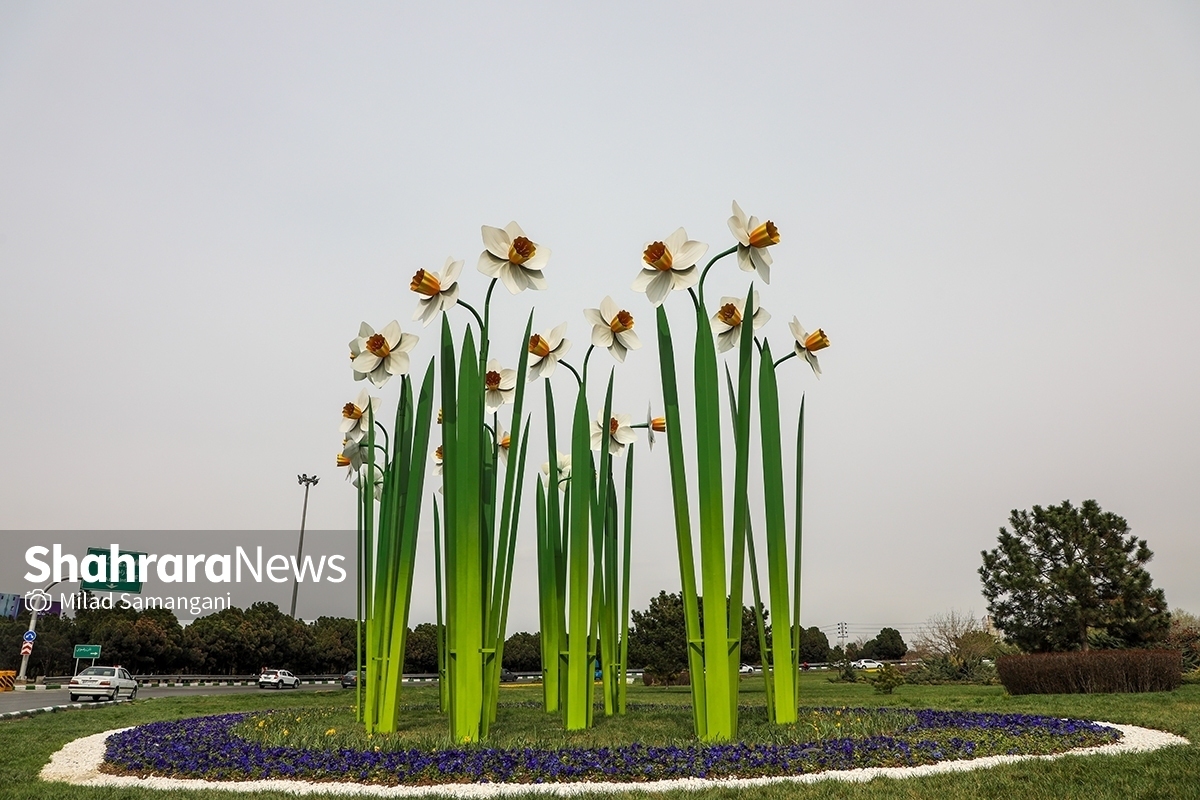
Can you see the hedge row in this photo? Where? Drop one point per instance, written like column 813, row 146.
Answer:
column 1092, row 671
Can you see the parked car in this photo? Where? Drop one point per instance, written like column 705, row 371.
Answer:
column 102, row 682
column 747, row 669
column 867, row 664
column 508, row 676
column 277, row 679
column 350, row 680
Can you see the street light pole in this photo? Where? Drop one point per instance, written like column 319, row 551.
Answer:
column 307, row 482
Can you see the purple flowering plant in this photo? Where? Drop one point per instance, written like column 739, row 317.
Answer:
column 227, row 747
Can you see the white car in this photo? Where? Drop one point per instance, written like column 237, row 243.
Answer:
column 867, row 664
column 278, row 679
column 102, row 682
column 747, row 669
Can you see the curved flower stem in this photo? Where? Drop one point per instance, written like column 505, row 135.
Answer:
column 709, row 266
column 792, row 354
column 758, row 344
column 587, row 358
column 386, row 439
column 487, row 306
column 574, row 371
column 475, row 313
column 696, row 301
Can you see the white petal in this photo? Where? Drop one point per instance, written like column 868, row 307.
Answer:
column 595, row 316
column 363, row 398
column 798, row 329
column 365, row 363
column 675, row 242
column 618, row 350
column 422, row 313
column 812, row 362
column 514, row 230
column 407, row 342
column 541, row 254
column 660, row 286
column 496, row 241
column 726, row 340
column 535, row 280
column 451, row 271
column 643, row 279
column 379, row 377
column 625, row 435
column 563, row 348
column 761, row 316
column 511, row 276
column 629, row 339
column 682, row 279
column 493, row 365
column 762, row 262
column 449, row 297
column 688, row 254
column 745, row 259
column 737, row 212
column 365, row 331
column 490, row 265
column 508, row 379
column 347, row 425
column 555, row 335
column 608, row 310
column 391, row 332
column 602, row 336
column 397, row 362
column 493, row 399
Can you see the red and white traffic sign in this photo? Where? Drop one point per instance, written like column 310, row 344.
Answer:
column 27, row 648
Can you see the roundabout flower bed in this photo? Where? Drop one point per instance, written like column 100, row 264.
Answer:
column 218, row 748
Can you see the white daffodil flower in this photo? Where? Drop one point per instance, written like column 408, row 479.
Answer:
column 670, row 264
column 503, row 440
column 545, row 350
column 618, row 430
column 438, row 460
column 807, row 344
column 360, row 477
column 439, row 290
column 499, row 385
column 353, row 455
column 753, row 241
column 379, row 356
column 513, row 258
column 727, row 322
column 612, row 327
column 564, row 470
column 654, row 425
column 356, row 422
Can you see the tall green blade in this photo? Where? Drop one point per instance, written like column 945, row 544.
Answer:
column 783, row 656
column 683, row 524
column 625, row 551
column 579, row 680
column 797, row 628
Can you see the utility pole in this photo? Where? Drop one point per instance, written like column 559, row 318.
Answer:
column 307, row 482
column 842, row 633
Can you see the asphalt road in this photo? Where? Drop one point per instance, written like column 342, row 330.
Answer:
column 21, row 700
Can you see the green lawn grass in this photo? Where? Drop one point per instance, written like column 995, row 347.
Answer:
column 26, row 744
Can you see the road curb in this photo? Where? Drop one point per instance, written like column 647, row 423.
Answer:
column 31, row 712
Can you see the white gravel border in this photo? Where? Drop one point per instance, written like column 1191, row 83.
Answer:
column 79, row 762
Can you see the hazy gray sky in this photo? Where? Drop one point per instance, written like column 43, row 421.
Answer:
column 992, row 209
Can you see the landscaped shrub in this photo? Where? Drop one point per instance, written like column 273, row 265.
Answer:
column 944, row 669
column 1091, row 671
column 887, row 679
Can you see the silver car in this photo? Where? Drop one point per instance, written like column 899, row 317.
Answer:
column 102, row 682
column 277, row 679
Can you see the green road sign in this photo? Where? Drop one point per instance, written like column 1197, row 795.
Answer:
column 87, row 651
column 124, row 582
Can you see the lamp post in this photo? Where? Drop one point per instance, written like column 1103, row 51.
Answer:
column 307, row 482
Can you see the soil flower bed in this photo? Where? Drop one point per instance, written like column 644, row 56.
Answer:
column 218, row 748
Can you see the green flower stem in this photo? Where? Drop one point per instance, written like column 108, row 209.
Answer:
column 574, row 372
column 707, row 267
column 487, row 310
column 439, row 578
column 387, row 445
column 478, row 319
column 586, row 359
column 792, row 354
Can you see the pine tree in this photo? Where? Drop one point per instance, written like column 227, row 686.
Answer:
column 1064, row 573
